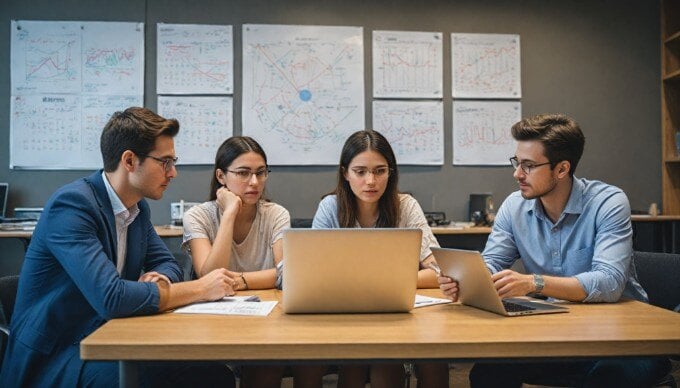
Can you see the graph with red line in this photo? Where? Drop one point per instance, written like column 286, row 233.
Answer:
column 415, row 129
column 303, row 90
column 486, row 66
column 407, row 64
column 194, row 59
column 481, row 131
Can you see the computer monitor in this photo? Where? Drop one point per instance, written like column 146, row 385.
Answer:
column 4, row 191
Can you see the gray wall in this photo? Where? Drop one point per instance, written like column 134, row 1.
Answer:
column 597, row 61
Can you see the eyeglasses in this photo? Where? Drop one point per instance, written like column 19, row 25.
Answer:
column 244, row 175
column 526, row 166
column 168, row 163
column 379, row 172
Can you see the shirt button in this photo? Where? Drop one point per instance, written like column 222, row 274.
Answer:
column 555, row 253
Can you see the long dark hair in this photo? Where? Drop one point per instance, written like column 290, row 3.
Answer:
column 388, row 204
column 231, row 149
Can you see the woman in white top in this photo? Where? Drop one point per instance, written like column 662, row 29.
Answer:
column 240, row 231
column 366, row 196
column 237, row 229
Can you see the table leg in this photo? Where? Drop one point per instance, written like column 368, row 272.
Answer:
column 129, row 374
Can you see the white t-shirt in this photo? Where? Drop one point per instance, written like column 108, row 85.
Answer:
column 255, row 252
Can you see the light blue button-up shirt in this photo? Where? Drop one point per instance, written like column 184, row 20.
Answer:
column 591, row 241
column 124, row 217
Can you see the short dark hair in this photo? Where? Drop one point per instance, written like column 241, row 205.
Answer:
column 561, row 137
column 134, row 129
column 229, row 150
column 388, row 204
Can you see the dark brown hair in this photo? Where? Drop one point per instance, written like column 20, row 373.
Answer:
column 388, row 204
column 561, row 137
column 229, row 150
column 134, row 129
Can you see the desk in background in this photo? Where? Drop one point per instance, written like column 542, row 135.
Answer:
column 656, row 233
column 450, row 332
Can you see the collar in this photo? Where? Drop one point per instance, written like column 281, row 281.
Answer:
column 574, row 203
column 128, row 215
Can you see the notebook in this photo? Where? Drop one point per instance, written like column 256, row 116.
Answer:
column 476, row 287
column 350, row 270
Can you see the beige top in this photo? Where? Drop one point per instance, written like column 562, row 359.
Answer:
column 255, row 252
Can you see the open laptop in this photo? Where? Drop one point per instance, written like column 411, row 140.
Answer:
column 350, row 270
column 476, row 287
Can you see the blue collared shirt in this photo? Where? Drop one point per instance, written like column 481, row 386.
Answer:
column 591, row 241
column 124, row 217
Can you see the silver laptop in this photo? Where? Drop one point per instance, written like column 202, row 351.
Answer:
column 350, row 270
column 476, row 287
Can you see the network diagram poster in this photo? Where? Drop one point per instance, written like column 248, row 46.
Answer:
column 303, row 90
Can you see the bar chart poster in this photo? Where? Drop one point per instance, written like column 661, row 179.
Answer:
column 303, row 90
column 486, row 66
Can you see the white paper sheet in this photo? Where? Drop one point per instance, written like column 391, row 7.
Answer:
column 486, row 66
column 238, row 305
column 303, row 90
column 415, row 129
column 423, row 301
column 407, row 64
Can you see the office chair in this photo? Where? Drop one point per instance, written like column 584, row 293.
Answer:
column 301, row 223
column 8, row 294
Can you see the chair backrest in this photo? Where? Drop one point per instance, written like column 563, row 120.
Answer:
column 658, row 274
column 8, row 293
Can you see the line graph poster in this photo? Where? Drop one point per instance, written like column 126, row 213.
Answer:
column 77, row 57
column 407, row 64
column 303, row 90
column 415, row 129
column 205, row 122
column 486, row 66
column 481, row 131
column 67, row 78
column 194, row 59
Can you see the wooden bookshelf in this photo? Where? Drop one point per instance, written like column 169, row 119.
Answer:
column 670, row 106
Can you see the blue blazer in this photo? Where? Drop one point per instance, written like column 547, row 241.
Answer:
column 69, row 286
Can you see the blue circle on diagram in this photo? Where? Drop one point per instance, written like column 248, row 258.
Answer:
column 305, row 95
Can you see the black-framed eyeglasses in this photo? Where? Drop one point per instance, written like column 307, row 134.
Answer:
column 526, row 166
column 378, row 172
column 245, row 174
column 168, row 163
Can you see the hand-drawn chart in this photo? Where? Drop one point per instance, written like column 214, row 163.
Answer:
column 302, row 90
column 486, row 66
column 481, row 131
column 415, row 129
column 205, row 122
column 67, row 79
column 45, row 57
column 194, row 59
column 113, row 66
column 407, row 64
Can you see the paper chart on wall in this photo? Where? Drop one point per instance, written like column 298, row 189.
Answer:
column 205, row 122
column 194, row 59
column 486, row 66
column 415, row 129
column 61, row 131
column 303, row 90
column 67, row 78
column 481, row 131
column 407, row 64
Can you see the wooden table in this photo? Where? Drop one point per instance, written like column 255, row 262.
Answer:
column 443, row 332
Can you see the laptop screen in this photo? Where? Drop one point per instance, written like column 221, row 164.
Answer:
column 4, row 188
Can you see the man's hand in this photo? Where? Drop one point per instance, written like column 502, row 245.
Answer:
column 153, row 277
column 217, row 284
column 509, row 283
column 449, row 287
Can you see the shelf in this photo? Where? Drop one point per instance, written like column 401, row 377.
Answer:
column 672, row 77
column 675, row 38
column 672, row 159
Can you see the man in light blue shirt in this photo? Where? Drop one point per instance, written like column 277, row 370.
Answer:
column 574, row 238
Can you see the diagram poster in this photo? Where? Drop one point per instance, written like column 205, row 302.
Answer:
column 303, row 90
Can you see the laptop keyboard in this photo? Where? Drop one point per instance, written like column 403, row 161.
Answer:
column 512, row 307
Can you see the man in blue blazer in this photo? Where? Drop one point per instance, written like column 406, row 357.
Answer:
column 83, row 265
